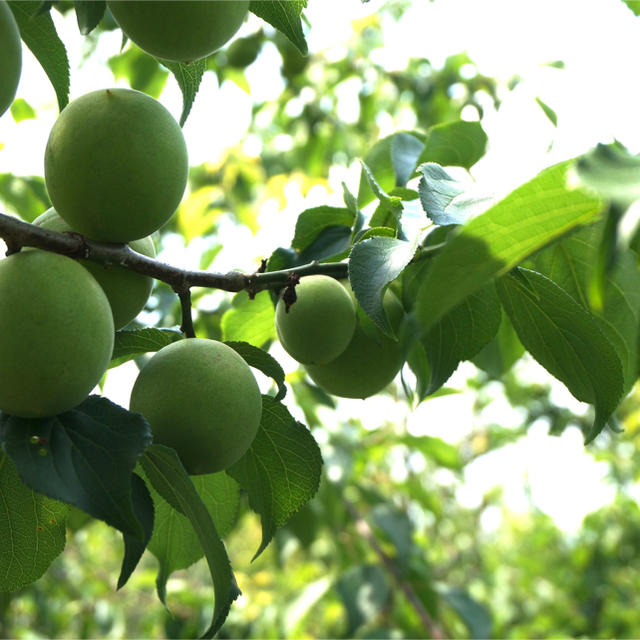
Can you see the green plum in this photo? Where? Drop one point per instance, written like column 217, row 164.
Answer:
column 115, row 165
column 56, row 334
column 179, row 31
column 369, row 363
column 10, row 57
column 200, row 398
column 319, row 325
column 127, row 291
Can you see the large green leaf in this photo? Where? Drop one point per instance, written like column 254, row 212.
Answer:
column 529, row 218
column 169, row 478
column 571, row 264
column 281, row 470
column 312, row 222
column 373, row 264
column 84, row 457
column 249, row 320
column 501, row 353
column 460, row 335
column 175, row 542
column 565, row 339
column 459, row 144
column 131, row 343
column 39, row 34
column 32, row 529
column 284, row 15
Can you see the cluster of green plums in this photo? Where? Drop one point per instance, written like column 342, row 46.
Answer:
column 116, row 169
column 341, row 348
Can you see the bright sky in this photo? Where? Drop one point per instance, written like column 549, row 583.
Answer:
column 595, row 98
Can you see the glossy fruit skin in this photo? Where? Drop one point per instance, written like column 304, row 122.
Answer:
column 10, row 57
column 115, row 165
column 127, row 291
column 56, row 334
column 179, row 31
column 319, row 325
column 369, row 363
column 200, row 398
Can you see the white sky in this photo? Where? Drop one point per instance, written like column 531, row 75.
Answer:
column 596, row 100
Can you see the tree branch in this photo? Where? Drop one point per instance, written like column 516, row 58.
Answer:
column 18, row 234
column 363, row 528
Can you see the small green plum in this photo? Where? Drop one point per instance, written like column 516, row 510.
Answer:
column 200, row 398
column 115, row 165
column 127, row 291
column 369, row 363
column 56, row 334
column 318, row 326
column 10, row 57
column 181, row 31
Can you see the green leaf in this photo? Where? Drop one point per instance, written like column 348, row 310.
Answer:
column 84, row 457
column 442, row 453
column 88, row 14
column 140, row 70
column 249, row 320
column 262, row 361
column 532, row 216
column 390, row 163
column 475, row 615
column 281, row 470
column 170, row 479
column 571, row 264
column 32, row 529
column 373, row 264
column 189, row 77
column 634, row 5
column 446, row 200
column 312, row 222
column 26, row 196
column 284, row 15
column 131, row 343
column 39, row 34
column 565, row 339
column 460, row 335
column 499, row 355
column 459, row 144
column 22, row 110
column 612, row 172
column 175, row 542
column 134, row 547
column 548, row 111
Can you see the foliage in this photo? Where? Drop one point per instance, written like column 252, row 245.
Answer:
column 324, row 513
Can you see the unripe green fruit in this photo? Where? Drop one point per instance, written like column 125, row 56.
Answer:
column 115, row 165
column 319, row 325
column 10, row 57
column 369, row 363
column 200, row 398
column 56, row 334
column 127, row 291
column 181, row 31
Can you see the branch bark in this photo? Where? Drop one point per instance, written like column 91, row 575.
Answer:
column 17, row 234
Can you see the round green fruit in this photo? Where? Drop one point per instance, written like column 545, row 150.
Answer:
column 10, row 57
column 200, row 398
column 180, row 31
column 369, row 363
column 56, row 334
column 318, row 326
column 115, row 165
column 127, row 291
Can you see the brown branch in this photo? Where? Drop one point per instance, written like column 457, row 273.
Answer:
column 363, row 528
column 17, row 234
